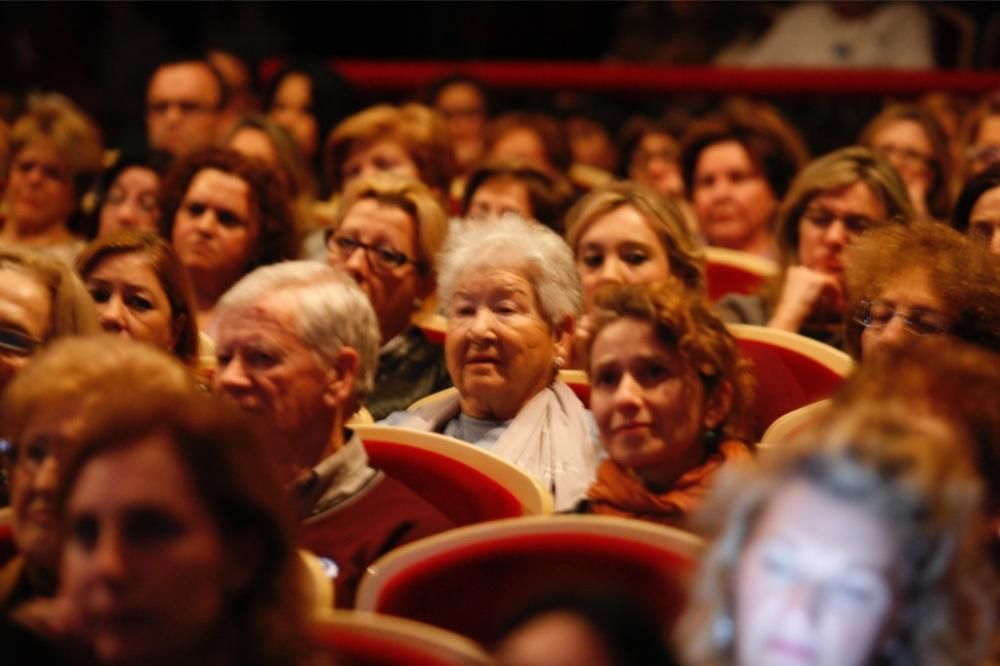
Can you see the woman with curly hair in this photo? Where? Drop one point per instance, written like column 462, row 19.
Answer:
column 670, row 394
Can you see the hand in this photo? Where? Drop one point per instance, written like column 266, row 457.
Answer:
column 805, row 293
column 581, row 341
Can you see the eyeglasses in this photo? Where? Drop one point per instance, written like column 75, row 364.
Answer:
column 823, row 218
column 18, row 343
column 380, row 256
column 876, row 315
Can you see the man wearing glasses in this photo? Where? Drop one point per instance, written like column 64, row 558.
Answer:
column 184, row 103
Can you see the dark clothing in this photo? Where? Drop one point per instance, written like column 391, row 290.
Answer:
column 754, row 310
column 409, row 368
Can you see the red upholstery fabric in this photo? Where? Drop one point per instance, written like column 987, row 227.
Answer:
column 463, row 494
column 471, row 589
column 786, row 380
column 7, row 547
column 726, row 279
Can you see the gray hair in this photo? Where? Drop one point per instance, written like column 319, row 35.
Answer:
column 530, row 249
column 333, row 312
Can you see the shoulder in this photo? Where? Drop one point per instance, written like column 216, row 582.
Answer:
column 742, row 309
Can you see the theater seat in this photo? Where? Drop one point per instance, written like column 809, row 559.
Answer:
column 466, row 483
column 789, row 425
column 577, row 380
column 470, row 580
column 734, row 272
column 791, row 370
column 367, row 639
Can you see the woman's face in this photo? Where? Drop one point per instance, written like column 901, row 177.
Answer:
column 132, row 202
column 255, row 143
column 522, row 143
column 498, row 196
column 619, row 247
column 733, row 201
column 831, row 220
column 648, row 402
column 908, row 148
column 25, row 313
column 814, row 584
column 40, row 192
column 908, row 306
column 984, row 219
column 655, row 164
column 499, row 348
column 392, row 288
column 143, row 561
column 292, row 109
column 384, row 156
column 131, row 300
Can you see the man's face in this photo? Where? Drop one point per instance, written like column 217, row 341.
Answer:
column 182, row 108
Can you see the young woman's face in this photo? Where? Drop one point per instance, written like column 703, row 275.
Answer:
column 908, row 148
column 292, row 109
column 132, row 202
column 144, row 563
column 815, row 582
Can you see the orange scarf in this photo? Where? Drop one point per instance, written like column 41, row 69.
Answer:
column 619, row 492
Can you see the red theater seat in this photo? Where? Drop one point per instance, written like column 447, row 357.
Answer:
column 791, row 370
column 466, row 483
column 733, row 272
column 471, row 579
column 367, row 639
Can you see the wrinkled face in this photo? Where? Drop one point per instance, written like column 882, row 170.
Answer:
column 833, row 219
column 814, row 585
column 908, row 306
column 25, row 313
column 498, row 196
column 385, row 156
column 648, row 403
column 391, row 289
column 143, row 562
column 35, row 480
column 40, row 192
column 499, row 348
column 215, row 230
column 254, row 143
column 619, row 248
column 984, row 219
column 131, row 300
column 655, row 164
column 182, row 108
column 522, row 143
column 908, row 148
column 733, row 201
column 292, row 109
column 554, row 639
column 132, row 202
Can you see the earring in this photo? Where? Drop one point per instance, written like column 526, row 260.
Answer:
column 559, row 361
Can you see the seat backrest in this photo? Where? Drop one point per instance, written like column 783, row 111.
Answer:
column 471, row 579
column 466, row 483
column 734, row 272
column 368, row 639
column 787, row 426
column 791, row 370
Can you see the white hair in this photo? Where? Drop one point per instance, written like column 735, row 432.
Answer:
column 533, row 251
column 332, row 311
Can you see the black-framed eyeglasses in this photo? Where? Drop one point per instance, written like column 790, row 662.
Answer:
column 876, row 315
column 380, row 256
column 18, row 343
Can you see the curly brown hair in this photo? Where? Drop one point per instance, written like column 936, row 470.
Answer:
column 685, row 323
column 269, row 200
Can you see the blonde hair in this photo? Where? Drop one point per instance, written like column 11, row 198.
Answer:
column 662, row 215
column 56, row 118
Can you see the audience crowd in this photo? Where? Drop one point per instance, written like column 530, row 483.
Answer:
column 277, row 271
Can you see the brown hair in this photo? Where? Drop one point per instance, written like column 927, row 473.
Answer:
column 418, row 129
column 962, row 273
column 269, row 200
column 57, row 119
column 939, row 193
column 546, row 128
column 774, row 146
column 662, row 215
column 160, row 257
column 683, row 322
column 550, row 194
column 923, row 488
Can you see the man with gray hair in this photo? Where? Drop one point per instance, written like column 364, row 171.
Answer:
column 297, row 345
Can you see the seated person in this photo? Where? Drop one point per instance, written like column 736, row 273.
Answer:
column 856, row 544
column 297, row 346
column 671, row 396
column 925, row 279
column 977, row 211
column 511, row 296
column 512, row 186
column 42, row 412
column 535, row 138
column 129, row 194
column 831, row 203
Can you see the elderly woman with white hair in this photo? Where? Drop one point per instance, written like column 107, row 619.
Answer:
column 511, row 295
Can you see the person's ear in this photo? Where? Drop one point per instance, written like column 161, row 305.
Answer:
column 341, row 378
column 562, row 333
column 717, row 405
